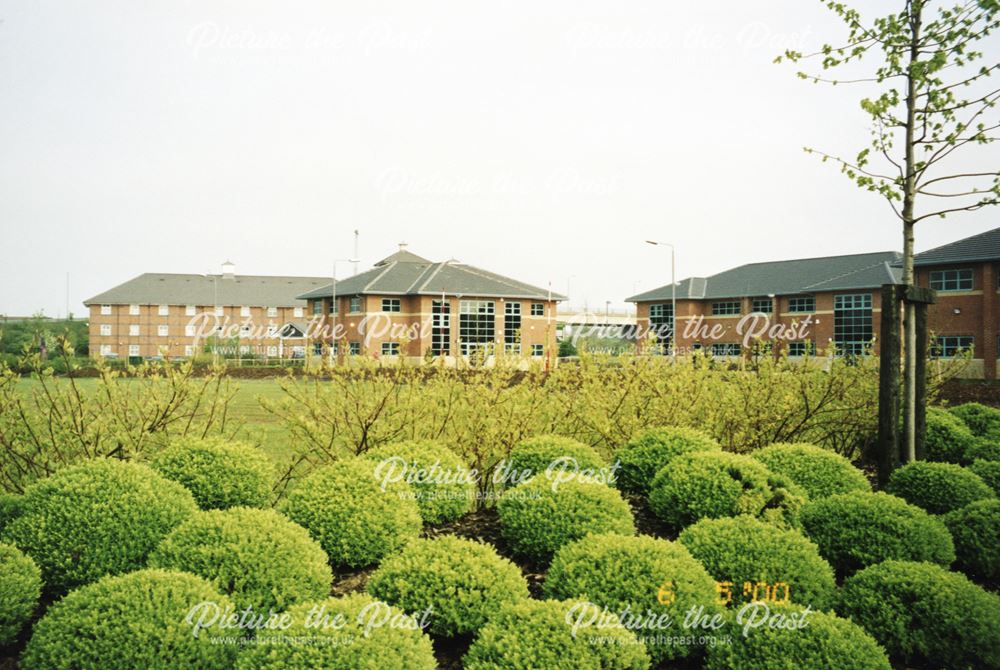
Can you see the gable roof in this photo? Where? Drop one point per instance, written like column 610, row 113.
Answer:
column 153, row 288
column 978, row 248
column 405, row 273
column 790, row 277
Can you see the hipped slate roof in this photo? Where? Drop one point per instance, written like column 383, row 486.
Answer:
column 978, row 248
column 806, row 275
column 154, row 288
column 405, row 273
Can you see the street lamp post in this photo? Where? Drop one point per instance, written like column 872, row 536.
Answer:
column 673, row 296
column 335, row 309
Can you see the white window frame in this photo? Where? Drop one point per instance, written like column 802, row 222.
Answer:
column 134, row 350
column 272, row 312
column 106, row 350
column 299, row 312
column 244, row 310
column 163, row 330
column 133, row 330
column 355, row 304
column 105, row 310
column 133, row 310
column 390, row 349
column 220, row 310
column 190, row 310
column 163, row 310
column 105, row 330
column 189, row 331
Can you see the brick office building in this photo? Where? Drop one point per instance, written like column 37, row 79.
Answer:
column 170, row 315
column 800, row 306
column 965, row 318
column 409, row 306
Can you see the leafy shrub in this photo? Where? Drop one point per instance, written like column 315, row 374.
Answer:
column 712, row 484
column 20, row 589
column 534, row 455
column 641, row 573
column 462, row 581
column 218, row 473
column 10, row 507
column 978, row 418
column 989, row 472
column 922, row 613
column 257, row 557
column 975, row 530
column 820, row 472
column 937, row 487
column 946, row 438
column 649, row 451
column 823, row 638
column 540, row 516
column 535, row 634
column 97, row 518
column 448, row 494
column 855, row 530
column 351, row 515
column 987, row 449
column 744, row 550
column 128, row 621
column 373, row 635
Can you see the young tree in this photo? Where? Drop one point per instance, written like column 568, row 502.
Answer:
column 934, row 107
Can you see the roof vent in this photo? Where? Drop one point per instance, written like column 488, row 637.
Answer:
column 228, row 270
column 402, row 246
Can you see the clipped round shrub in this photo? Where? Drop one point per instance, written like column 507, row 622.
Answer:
column 978, row 418
column 712, row 484
column 643, row 574
column 350, row 633
column 820, row 472
column 536, row 454
column 441, row 482
column 535, row 634
column 10, row 507
column 946, row 438
column 989, row 472
column 937, row 487
column 540, row 516
column 855, row 530
column 463, row 582
column 351, row 515
column 218, row 473
column 748, row 552
column 136, row 620
column 924, row 614
column 20, row 589
column 649, row 451
column 257, row 557
column 98, row 518
column 825, row 641
column 986, row 449
column 975, row 529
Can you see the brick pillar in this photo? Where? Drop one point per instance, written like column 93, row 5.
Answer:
column 988, row 348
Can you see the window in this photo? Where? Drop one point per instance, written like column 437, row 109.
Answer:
column 537, row 309
column 105, row 350
column 390, row 348
column 440, row 328
column 390, row 305
column 806, row 303
column 951, row 280
column 318, row 348
column 355, row 304
column 852, row 323
column 802, row 348
column 726, row 308
column 298, row 312
column 190, row 310
column 354, row 348
column 335, row 306
column 163, row 310
column 476, row 325
column 244, row 331
column 133, row 330
column 106, row 329
column 512, row 327
column 220, row 310
column 537, row 350
column 726, row 349
column 105, row 310
column 133, row 350
column 661, row 321
column 244, row 310
column 272, row 312
column 133, row 310
column 950, row 346
column 763, row 305
column 163, row 331
column 188, row 350
column 317, row 307
column 189, row 331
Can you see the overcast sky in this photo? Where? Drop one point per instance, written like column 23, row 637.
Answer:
column 542, row 140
